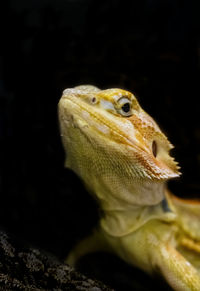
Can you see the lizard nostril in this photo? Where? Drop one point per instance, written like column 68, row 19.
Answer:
column 94, row 100
column 154, row 148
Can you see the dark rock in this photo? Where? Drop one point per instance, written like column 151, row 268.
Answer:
column 26, row 268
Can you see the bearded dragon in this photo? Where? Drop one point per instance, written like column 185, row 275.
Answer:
column 124, row 159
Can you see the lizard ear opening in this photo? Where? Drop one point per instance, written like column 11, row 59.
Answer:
column 154, row 148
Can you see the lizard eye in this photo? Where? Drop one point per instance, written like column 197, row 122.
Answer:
column 125, row 106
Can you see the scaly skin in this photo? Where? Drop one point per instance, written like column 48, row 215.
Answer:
column 123, row 158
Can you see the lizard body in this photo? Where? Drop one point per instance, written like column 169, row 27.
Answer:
column 123, row 157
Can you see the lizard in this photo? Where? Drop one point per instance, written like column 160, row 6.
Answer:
column 124, row 160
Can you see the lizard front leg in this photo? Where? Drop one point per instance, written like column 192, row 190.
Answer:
column 178, row 272
column 153, row 249
column 90, row 244
column 188, row 220
column 188, row 215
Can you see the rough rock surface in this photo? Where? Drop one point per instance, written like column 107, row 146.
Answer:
column 24, row 268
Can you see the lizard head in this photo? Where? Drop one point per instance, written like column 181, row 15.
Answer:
column 108, row 128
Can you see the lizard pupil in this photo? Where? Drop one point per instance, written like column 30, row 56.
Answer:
column 126, row 107
column 154, row 148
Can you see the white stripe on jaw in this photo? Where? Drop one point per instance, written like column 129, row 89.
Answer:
column 100, row 127
column 85, row 114
column 103, row 128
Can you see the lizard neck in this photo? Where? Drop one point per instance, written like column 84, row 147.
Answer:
column 123, row 193
column 128, row 206
column 119, row 223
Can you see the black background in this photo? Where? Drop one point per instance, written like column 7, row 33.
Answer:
column 149, row 47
